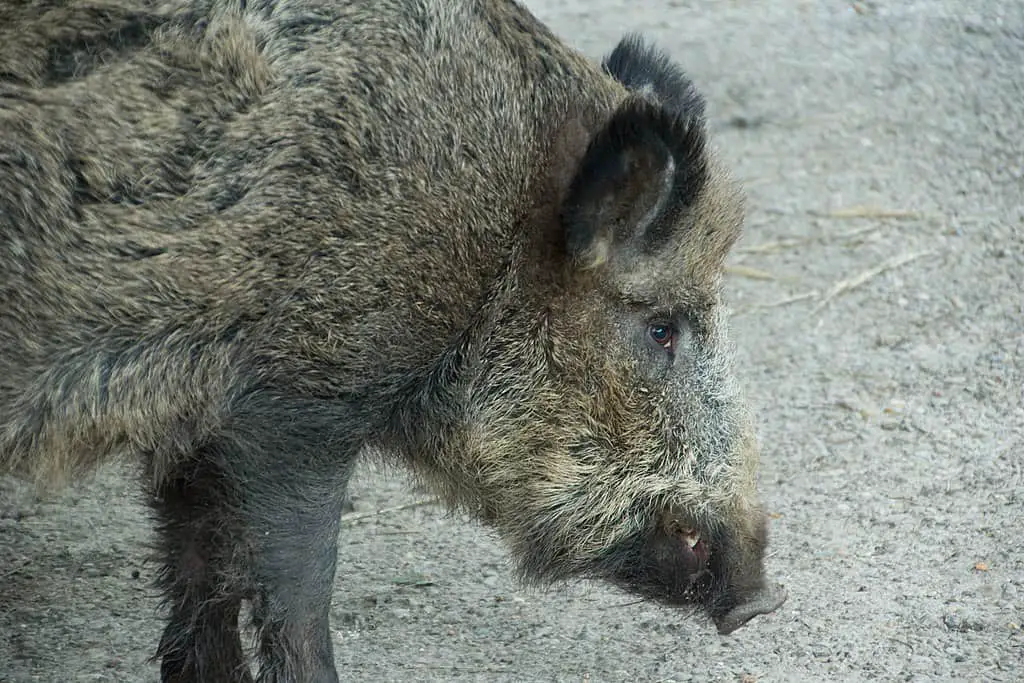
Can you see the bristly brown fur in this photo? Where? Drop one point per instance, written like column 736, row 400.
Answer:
column 244, row 241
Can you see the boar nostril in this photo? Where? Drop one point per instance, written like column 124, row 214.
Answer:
column 690, row 538
column 689, row 534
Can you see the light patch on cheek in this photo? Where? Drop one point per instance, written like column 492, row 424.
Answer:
column 597, row 255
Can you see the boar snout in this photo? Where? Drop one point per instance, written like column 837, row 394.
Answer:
column 738, row 570
column 765, row 600
column 721, row 572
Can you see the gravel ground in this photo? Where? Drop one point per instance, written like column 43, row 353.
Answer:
column 879, row 314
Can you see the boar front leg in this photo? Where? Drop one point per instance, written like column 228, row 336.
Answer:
column 201, row 589
column 294, row 573
column 254, row 515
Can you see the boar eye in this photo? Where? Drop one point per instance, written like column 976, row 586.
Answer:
column 663, row 334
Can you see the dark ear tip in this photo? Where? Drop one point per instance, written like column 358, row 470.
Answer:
column 641, row 66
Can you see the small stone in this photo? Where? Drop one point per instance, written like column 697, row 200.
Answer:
column 896, row 407
column 890, row 424
column 961, row 624
column 976, row 26
column 742, row 122
column 922, row 663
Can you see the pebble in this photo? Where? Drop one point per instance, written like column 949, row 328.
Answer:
column 962, row 624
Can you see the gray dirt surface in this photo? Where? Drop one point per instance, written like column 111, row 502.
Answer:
column 879, row 319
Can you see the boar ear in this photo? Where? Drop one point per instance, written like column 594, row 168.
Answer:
column 638, row 174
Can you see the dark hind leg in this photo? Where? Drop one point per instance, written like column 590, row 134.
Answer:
column 255, row 516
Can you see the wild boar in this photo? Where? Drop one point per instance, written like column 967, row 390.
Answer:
column 245, row 242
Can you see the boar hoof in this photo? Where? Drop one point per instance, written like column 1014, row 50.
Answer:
column 763, row 602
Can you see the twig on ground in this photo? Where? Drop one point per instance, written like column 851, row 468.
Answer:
column 751, row 273
column 856, row 232
column 777, row 245
column 790, row 299
column 869, row 212
column 460, row 669
column 16, row 568
column 790, row 242
column 781, row 302
column 622, row 604
column 354, row 517
column 845, row 286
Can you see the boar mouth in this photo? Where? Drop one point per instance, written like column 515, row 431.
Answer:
column 671, row 564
